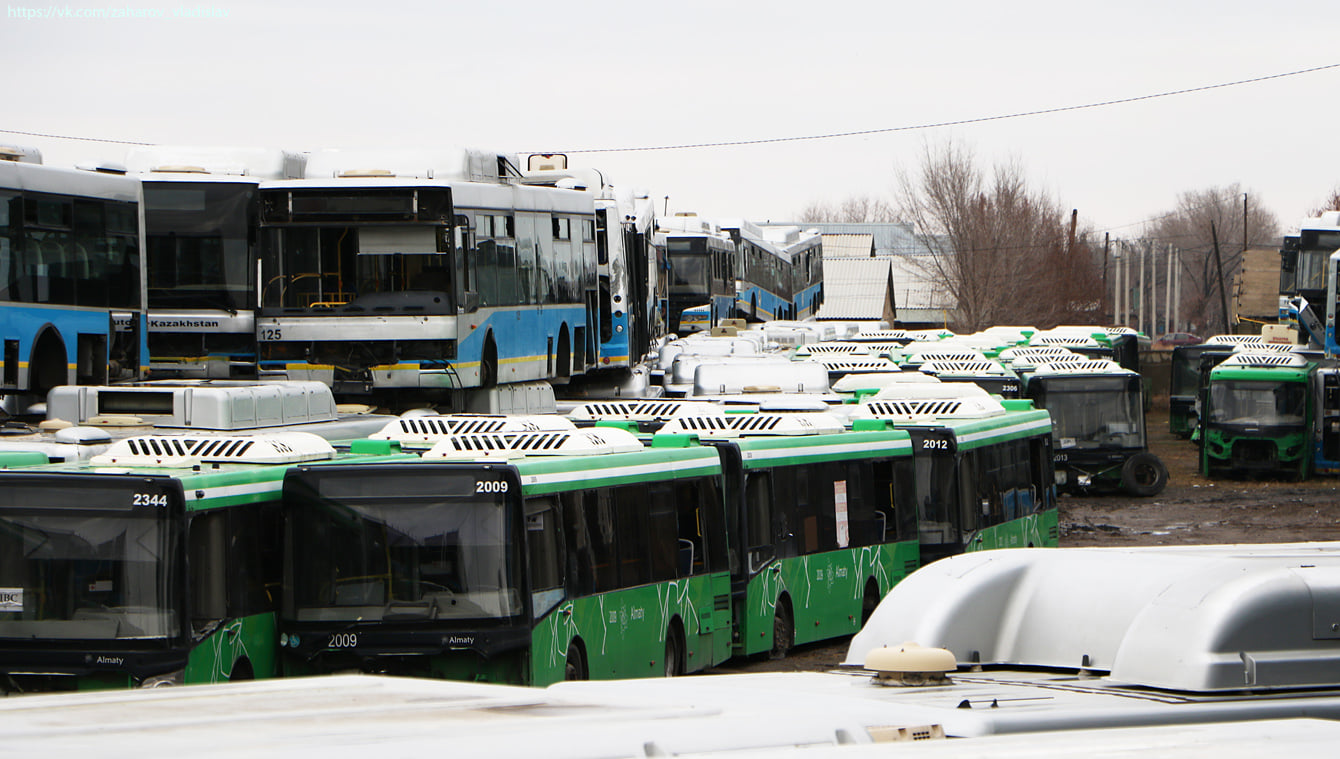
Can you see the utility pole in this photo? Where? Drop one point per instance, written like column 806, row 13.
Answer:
column 1219, row 263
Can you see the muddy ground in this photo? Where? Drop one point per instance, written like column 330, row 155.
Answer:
column 1191, row 510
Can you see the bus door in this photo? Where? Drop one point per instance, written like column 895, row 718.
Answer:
column 1326, row 384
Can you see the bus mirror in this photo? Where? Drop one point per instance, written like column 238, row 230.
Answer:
column 471, row 302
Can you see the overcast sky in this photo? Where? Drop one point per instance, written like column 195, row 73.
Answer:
column 588, row 75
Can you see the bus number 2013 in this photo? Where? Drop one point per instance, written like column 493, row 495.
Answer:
column 490, row 486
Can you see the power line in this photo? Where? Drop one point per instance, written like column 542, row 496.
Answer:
column 959, row 122
column 72, row 137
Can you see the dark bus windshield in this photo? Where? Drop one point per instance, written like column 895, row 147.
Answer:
column 414, row 545
column 1094, row 412
column 200, row 245
column 86, row 562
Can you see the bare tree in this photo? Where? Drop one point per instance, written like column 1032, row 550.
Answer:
column 858, row 209
column 1005, row 253
column 1331, row 203
column 1200, row 217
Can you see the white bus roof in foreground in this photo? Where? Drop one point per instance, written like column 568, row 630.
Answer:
column 1195, row 619
column 808, row 715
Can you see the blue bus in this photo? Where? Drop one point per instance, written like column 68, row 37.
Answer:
column 701, row 263
column 424, row 276
column 71, row 276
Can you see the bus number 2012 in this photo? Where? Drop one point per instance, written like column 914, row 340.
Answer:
column 491, row 486
column 935, row 445
column 343, row 640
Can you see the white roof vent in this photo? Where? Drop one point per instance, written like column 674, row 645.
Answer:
column 749, row 425
column 933, row 408
column 184, row 451
column 1266, row 360
column 910, row 665
column 1086, row 366
column 425, row 430
column 585, row 442
column 965, row 368
column 652, row 410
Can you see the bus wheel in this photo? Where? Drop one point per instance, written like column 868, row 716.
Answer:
column 241, row 671
column 783, row 629
column 674, row 653
column 1144, row 475
column 488, row 364
column 576, row 666
column 870, row 601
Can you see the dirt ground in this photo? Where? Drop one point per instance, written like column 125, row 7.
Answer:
column 1191, row 510
column 1195, row 510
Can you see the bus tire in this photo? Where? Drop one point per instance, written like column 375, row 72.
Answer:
column 242, row 671
column 1144, row 475
column 575, row 668
column 870, row 601
column 783, row 629
column 48, row 366
column 674, row 651
column 488, row 363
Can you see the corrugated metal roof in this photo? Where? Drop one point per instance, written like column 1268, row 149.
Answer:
column 890, row 239
column 855, row 288
column 848, row 246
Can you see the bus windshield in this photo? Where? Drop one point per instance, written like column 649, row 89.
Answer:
column 199, row 248
column 1258, row 403
column 401, row 548
column 688, row 273
column 1095, row 412
column 88, row 573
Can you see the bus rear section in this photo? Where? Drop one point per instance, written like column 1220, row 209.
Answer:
column 528, row 571
column 822, row 526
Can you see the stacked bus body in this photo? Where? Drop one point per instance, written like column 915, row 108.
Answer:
column 154, row 563
column 202, row 211
column 630, row 282
column 415, row 276
column 701, row 267
column 72, row 246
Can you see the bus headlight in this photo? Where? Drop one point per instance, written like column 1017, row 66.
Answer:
column 1084, row 480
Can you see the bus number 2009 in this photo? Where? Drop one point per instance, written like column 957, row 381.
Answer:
column 343, row 640
column 491, row 486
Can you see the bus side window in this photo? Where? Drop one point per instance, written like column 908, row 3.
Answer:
column 664, row 540
column 758, row 516
column 208, row 564
column 545, row 561
column 632, row 531
column 581, row 559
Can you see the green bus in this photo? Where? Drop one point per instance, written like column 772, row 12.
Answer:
column 985, row 476
column 588, row 556
column 1258, row 412
column 155, row 563
column 537, row 556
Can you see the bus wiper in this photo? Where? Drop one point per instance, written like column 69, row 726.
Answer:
column 397, row 611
